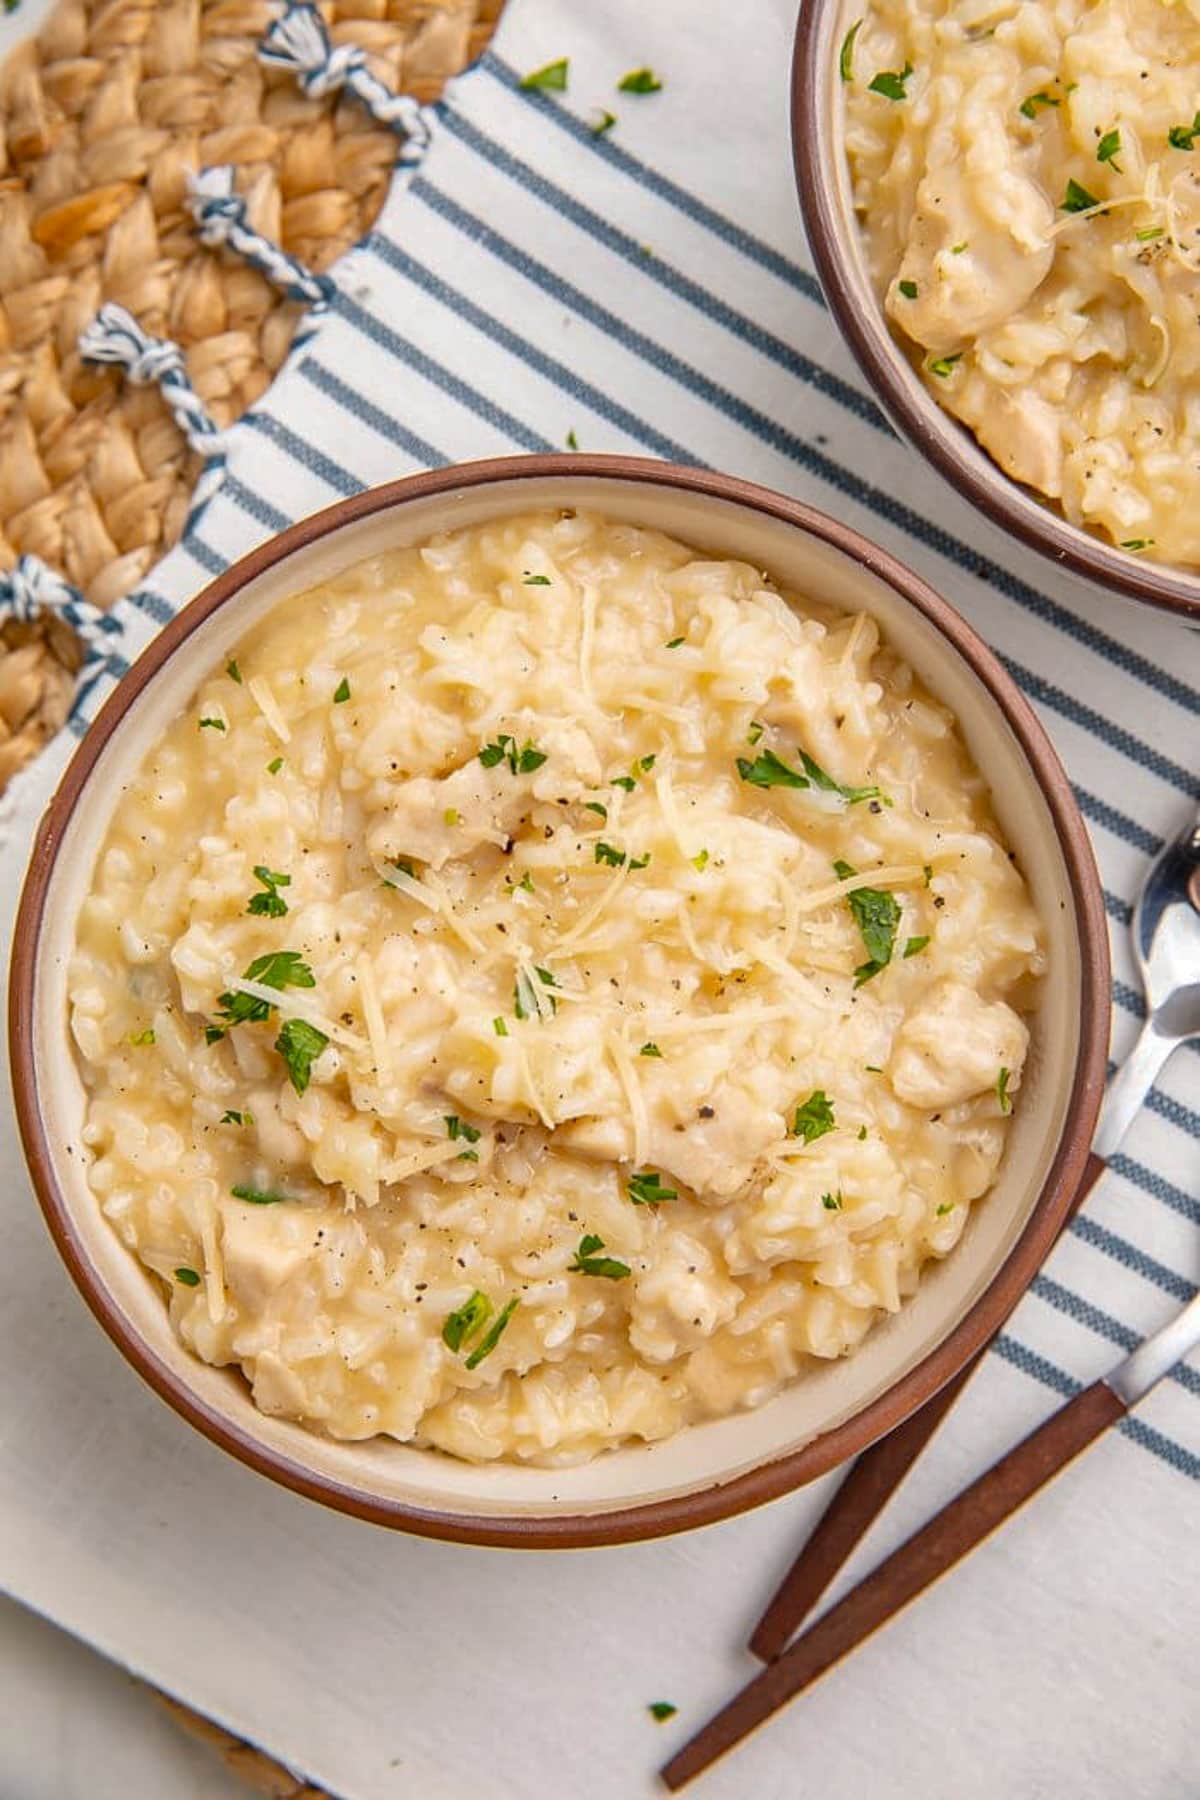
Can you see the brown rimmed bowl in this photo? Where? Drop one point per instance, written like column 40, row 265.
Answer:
column 835, row 239
column 704, row 1472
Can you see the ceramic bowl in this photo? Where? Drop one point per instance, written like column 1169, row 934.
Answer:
column 705, row 1471
column 826, row 201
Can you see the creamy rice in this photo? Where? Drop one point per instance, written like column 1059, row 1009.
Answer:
column 1030, row 202
column 573, row 1092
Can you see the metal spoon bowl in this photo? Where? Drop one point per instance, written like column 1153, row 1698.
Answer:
column 1166, row 943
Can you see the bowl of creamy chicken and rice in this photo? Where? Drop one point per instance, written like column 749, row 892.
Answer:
column 577, row 993
column 1002, row 201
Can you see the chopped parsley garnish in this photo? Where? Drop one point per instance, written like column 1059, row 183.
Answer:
column 470, row 1317
column 452, row 816
column 846, row 53
column 1002, row 1093
column 458, row 1128
column 1109, row 148
column 957, row 249
column 908, row 289
column 271, row 903
column 257, row 1196
column 862, row 1132
column 624, row 781
column 230, row 1117
column 817, row 775
column 649, row 1050
column 552, row 77
column 700, row 861
column 213, row 1034
column 927, row 872
column 524, row 999
column 673, row 643
column 646, row 763
column 525, row 1002
column 212, row 725
column 537, row 581
column 814, row 1118
column 500, row 1028
column 832, row 1202
column 300, row 1044
column 877, row 914
column 1077, row 199
column 892, row 83
column 1136, row 543
column 944, row 1208
column 768, row 771
column 572, row 440
column 138, row 1038
column 663, row 1709
column 522, row 761
column 915, row 945
column 755, row 732
column 873, row 1068
column 278, row 969
column 639, row 81
column 1029, row 106
column 466, row 1320
column 1182, row 137
column 341, row 692
column 233, row 672
column 1151, row 231
column 646, row 1189
column 606, row 854
column 944, row 365
column 604, row 123
column 597, row 807
column 526, row 883
column 187, row 1277
column 588, row 1263
column 274, row 766
column 494, row 1334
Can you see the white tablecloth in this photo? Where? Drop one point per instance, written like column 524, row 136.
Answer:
column 649, row 290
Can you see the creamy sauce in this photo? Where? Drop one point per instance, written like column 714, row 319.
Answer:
column 467, row 926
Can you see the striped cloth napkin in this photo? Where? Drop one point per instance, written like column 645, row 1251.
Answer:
column 532, row 283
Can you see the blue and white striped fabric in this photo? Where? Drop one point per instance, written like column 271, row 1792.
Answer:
column 649, row 290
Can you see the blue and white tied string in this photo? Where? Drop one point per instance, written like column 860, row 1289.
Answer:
column 114, row 336
column 299, row 42
column 221, row 219
column 32, row 588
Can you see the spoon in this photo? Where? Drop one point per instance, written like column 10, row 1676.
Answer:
column 1166, row 943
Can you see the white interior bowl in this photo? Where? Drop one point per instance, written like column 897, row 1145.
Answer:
column 708, row 1470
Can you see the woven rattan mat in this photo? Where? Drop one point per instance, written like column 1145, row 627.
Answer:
column 101, row 117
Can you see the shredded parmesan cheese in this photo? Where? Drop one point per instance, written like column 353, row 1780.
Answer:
column 615, row 995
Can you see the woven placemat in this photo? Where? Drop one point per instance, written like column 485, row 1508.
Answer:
column 101, row 117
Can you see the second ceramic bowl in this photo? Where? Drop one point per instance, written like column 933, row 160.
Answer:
column 826, row 201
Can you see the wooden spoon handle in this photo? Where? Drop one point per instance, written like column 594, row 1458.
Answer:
column 944, row 1541
column 863, row 1495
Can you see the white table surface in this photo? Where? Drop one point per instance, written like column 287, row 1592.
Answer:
column 73, row 1724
